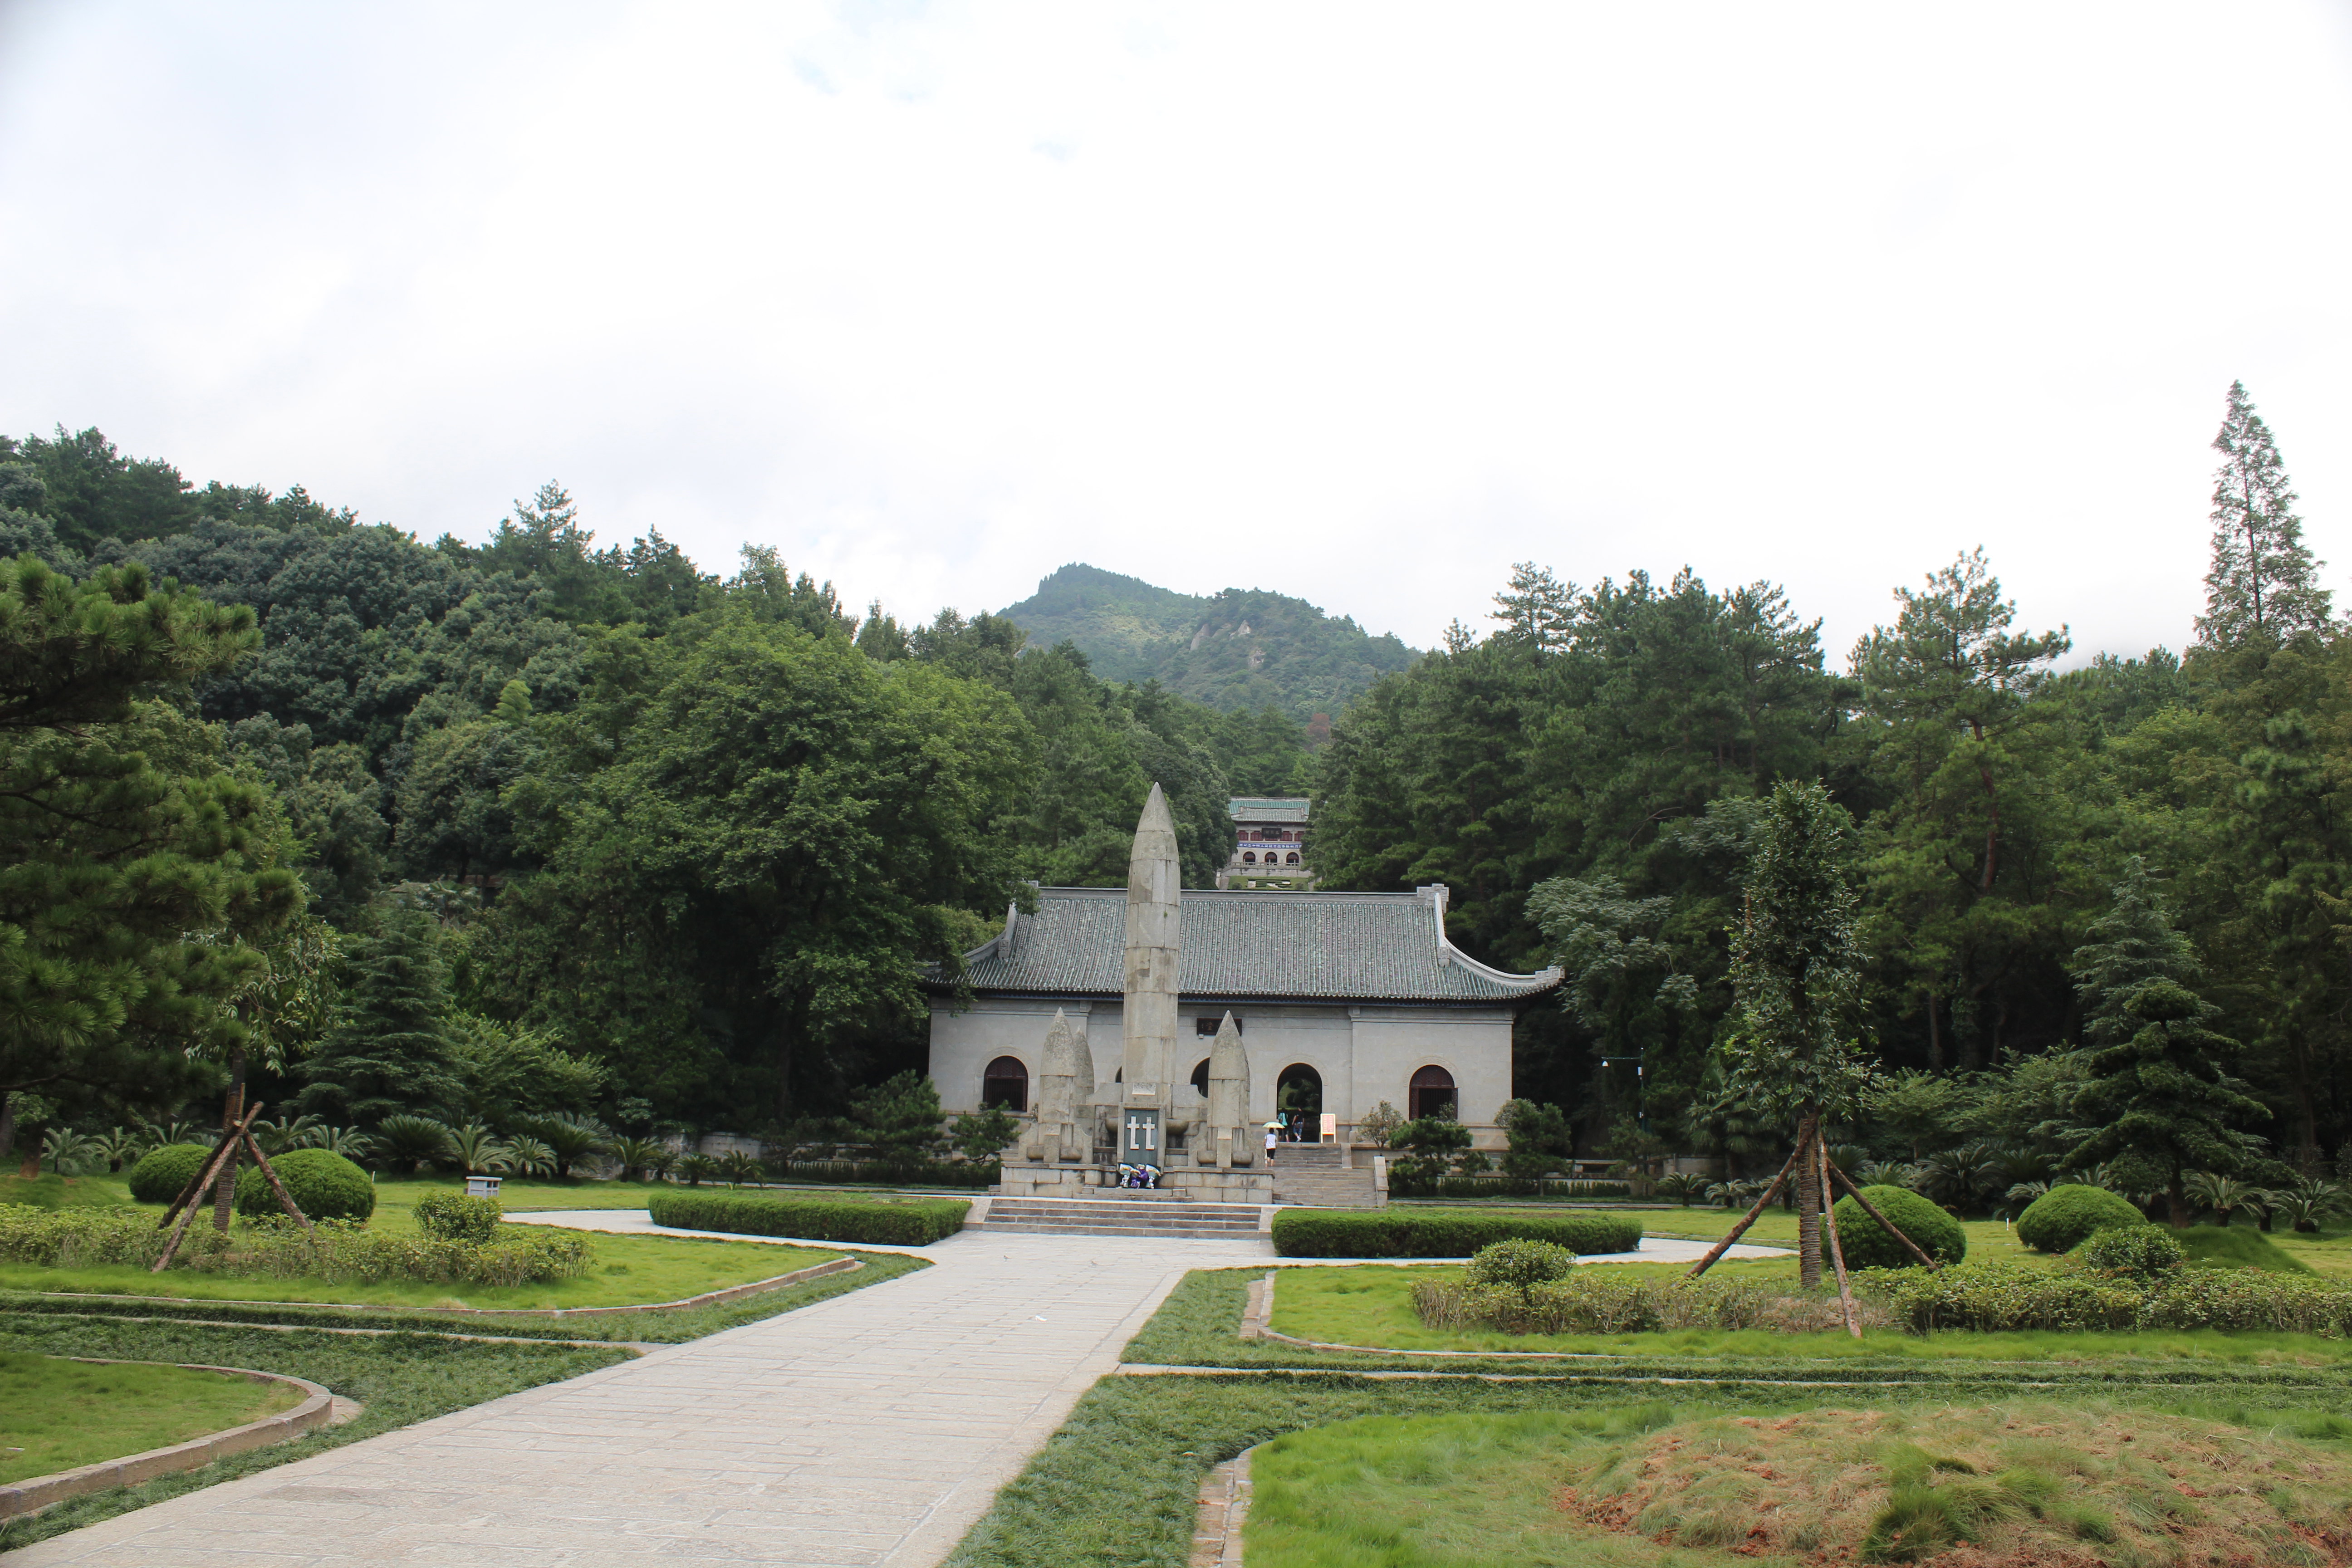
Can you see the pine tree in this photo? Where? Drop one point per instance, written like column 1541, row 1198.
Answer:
column 389, row 1053
column 2158, row 1097
column 2263, row 583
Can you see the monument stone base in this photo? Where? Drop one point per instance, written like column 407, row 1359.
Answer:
column 1185, row 1185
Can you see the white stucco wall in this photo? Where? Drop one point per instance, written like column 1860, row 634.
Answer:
column 1364, row 1054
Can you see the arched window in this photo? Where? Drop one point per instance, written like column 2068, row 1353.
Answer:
column 1291, row 859
column 1201, row 1076
column 1249, row 857
column 1005, row 1084
column 1432, row 1093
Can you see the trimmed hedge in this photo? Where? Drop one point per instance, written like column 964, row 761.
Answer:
column 1867, row 1244
column 449, row 1214
column 931, row 1174
column 914, row 1222
column 2063, row 1218
column 324, row 1183
column 162, row 1172
column 1507, row 1187
column 2002, row 1298
column 1387, row 1232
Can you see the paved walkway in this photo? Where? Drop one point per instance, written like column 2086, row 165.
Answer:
column 870, row 1430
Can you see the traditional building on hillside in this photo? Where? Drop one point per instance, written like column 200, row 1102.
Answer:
column 1269, row 842
column 1338, row 1001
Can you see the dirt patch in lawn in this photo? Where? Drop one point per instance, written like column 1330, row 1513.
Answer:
column 2041, row 1484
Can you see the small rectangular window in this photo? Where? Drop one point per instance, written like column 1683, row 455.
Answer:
column 1207, row 1024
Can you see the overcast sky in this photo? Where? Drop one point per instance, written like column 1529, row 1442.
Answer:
column 1354, row 302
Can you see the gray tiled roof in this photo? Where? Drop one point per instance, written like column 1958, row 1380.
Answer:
column 1260, row 808
column 1352, row 947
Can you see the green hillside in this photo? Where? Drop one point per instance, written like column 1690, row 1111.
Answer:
column 1243, row 649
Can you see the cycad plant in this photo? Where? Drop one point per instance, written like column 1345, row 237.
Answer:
column 408, row 1143
column 641, row 1159
column 740, row 1167
column 180, row 1131
column 527, row 1156
column 63, row 1150
column 119, row 1148
column 1732, row 1193
column 349, row 1142
column 286, row 1133
column 1681, row 1186
column 477, row 1150
column 696, row 1169
column 2224, row 1195
column 1887, row 1174
column 569, row 1139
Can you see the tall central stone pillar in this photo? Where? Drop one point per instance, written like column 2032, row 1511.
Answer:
column 1154, row 949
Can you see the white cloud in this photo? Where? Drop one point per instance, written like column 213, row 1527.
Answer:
column 1356, row 303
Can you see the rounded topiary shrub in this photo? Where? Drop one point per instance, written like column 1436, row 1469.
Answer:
column 2144, row 1251
column 160, row 1173
column 1520, row 1264
column 325, row 1186
column 1867, row 1246
column 450, row 1214
column 2063, row 1218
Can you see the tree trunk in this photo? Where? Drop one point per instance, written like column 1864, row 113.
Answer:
column 1935, row 1036
column 232, row 1110
column 2176, row 1200
column 7, row 1123
column 1809, row 1203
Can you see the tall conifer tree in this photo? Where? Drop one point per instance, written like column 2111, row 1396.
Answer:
column 2263, row 583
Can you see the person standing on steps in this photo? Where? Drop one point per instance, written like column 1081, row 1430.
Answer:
column 1273, row 1136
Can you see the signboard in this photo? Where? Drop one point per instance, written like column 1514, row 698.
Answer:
column 1138, row 1136
column 1331, row 1125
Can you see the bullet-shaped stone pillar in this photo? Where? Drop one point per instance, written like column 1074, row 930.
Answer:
column 1154, row 949
column 1228, row 1144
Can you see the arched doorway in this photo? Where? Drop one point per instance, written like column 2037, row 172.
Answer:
column 1298, row 1103
column 1200, row 1077
column 1432, row 1093
column 1005, row 1084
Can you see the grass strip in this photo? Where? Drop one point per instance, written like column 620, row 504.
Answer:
column 398, row 1378
column 58, row 1415
column 673, row 1327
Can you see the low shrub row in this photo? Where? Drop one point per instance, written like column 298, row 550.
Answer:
column 911, row 1222
column 334, row 1250
column 1393, row 1233
column 933, row 1174
column 2003, row 1297
column 1596, row 1300
column 1507, row 1187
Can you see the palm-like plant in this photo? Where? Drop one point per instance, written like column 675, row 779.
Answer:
column 477, row 1150
column 1681, row 1186
column 641, row 1157
column 569, row 1139
column 738, row 1167
column 349, row 1142
column 1887, row 1174
column 62, row 1147
column 277, row 1137
column 407, row 1143
column 2304, row 1211
column 696, row 1168
column 181, row 1132
column 2024, row 1193
column 1962, row 1177
column 2224, row 1195
column 527, row 1156
column 119, row 1148
column 1731, row 1194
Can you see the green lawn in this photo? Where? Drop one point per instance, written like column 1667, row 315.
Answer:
column 50, row 1191
column 56, row 1414
column 1371, row 1305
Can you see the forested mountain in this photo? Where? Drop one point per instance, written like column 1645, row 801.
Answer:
column 1245, row 649
column 574, row 829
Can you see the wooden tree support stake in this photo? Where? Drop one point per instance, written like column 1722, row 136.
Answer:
column 1871, row 1209
column 1720, row 1248
column 270, row 1174
column 192, row 1199
column 1837, row 1252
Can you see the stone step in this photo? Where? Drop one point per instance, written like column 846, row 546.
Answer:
column 1165, row 1233
column 1117, row 1207
column 1309, row 1157
column 1142, row 1222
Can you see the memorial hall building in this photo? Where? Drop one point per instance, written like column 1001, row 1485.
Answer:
column 1345, row 999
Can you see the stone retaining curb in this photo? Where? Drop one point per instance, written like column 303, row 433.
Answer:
column 317, row 1409
column 708, row 1299
column 1224, row 1508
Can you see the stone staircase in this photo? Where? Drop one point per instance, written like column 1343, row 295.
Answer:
column 1310, row 1173
column 1127, row 1214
